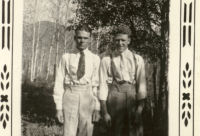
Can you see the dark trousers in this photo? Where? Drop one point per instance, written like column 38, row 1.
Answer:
column 121, row 105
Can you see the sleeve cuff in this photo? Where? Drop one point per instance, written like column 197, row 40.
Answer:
column 141, row 96
column 58, row 106
column 97, row 105
column 103, row 97
column 103, row 92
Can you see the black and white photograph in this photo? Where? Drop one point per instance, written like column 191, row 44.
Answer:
column 99, row 68
column 94, row 68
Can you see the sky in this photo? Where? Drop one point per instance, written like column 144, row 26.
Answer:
column 48, row 10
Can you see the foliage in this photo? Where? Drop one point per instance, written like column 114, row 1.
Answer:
column 144, row 17
column 148, row 21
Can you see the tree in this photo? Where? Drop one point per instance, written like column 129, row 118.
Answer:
column 143, row 17
column 33, row 42
column 61, row 14
column 148, row 20
column 32, row 17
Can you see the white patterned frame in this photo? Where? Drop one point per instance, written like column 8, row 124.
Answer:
column 6, row 66
column 187, row 67
column 187, row 123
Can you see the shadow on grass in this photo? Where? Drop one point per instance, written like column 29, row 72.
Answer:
column 38, row 114
column 37, row 103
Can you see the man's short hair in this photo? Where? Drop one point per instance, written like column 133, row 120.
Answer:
column 122, row 29
column 83, row 27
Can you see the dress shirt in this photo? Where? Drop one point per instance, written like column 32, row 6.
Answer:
column 123, row 71
column 67, row 75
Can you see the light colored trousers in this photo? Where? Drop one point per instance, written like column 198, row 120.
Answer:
column 78, row 106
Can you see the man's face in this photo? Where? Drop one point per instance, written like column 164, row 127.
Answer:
column 121, row 42
column 82, row 39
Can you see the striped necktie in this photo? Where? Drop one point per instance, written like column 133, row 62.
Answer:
column 81, row 66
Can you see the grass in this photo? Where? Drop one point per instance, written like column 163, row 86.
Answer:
column 38, row 114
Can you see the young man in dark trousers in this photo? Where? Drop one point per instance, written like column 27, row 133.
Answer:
column 122, row 87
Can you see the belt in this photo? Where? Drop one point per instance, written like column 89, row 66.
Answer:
column 72, row 83
column 122, row 82
column 78, row 88
column 122, row 86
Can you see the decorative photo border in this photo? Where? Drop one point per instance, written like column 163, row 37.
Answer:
column 6, row 70
column 9, row 73
column 187, row 67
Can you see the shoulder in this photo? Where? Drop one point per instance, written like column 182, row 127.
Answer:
column 106, row 58
column 139, row 59
column 64, row 56
column 94, row 56
column 68, row 55
column 105, row 61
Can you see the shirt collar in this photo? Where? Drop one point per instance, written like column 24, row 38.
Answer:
column 85, row 51
column 76, row 51
column 124, row 53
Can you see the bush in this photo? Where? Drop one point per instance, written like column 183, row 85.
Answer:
column 37, row 104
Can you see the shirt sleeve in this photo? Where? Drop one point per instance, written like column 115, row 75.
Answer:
column 59, row 84
column 140, row 78
column 95, row 74
column 95, row 82
column 103, row 77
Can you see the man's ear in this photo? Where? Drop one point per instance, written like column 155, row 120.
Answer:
column 129, row 40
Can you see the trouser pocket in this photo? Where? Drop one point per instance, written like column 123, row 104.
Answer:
column 71, row 103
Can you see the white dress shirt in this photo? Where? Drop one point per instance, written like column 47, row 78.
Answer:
column 67, row 74
column 125, row 66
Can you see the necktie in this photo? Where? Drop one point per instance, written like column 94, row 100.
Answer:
column 81, row 66
column 124, row 74
column 121, row 66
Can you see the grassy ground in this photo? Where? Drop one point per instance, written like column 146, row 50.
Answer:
column 37, row 129
column 38, row 114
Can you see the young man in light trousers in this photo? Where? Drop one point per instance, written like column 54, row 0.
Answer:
column 75, row 91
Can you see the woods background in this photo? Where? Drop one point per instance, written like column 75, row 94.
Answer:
column 48, row 33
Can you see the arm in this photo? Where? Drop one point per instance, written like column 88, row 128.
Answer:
column 59, row 84
column 95, row 82
column 59, row 89
column 103, row 90
column 140, row 83
column 103, row 77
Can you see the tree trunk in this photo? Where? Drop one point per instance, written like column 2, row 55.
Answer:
column 41, row 60
column 163, row 92
column 26, row 72
column 36, row 51
column 164, row 53
column 49, row 58
column 98, row 38
column 33, row 43
column 155, row 84
column 65, row 42
column 42, row 63
column 57, row 31
column 66, row 25
column 57, row 48
column 161, row 100
column 33, row 53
